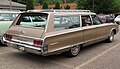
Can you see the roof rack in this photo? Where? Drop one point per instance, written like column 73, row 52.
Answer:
column 72, row 11
column 52, row 10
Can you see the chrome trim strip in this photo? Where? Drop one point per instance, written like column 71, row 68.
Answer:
column 59, row 49
column 54, row 43
column 24, row 36
column 65, row 47
column 21, row 44
column 102, row 37
column 95, row 38
column 65, row 32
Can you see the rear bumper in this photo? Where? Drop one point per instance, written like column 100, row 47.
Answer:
column 28, row 48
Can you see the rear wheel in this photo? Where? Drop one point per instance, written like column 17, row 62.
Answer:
column 111, row 37
column 74, row 51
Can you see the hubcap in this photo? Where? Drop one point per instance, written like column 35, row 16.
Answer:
column 75, row 50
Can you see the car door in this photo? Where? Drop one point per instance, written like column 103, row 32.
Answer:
column 89, row 30
column 101, row 28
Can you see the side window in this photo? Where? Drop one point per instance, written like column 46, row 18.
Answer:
column 26, row 19
column 66, row 22
column 96, row 20
column 86, row 20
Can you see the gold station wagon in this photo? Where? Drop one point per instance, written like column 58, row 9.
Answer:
column 57, row 31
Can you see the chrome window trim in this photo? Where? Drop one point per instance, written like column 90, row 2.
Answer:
column 70, row 31
column 80, row 21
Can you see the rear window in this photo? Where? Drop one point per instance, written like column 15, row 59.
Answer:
column 33, row 20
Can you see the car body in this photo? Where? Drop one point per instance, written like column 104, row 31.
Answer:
column 117, row 19
column 6, row 19
column 47, row 33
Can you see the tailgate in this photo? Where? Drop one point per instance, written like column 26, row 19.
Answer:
column 26, row 31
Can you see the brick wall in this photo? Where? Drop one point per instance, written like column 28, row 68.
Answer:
column 72, row 6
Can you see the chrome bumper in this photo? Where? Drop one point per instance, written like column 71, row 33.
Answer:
column 28, row 48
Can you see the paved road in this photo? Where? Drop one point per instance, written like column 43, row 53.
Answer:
column 98, row 56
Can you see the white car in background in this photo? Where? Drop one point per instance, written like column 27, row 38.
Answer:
column 117, row 19
column 6, row 19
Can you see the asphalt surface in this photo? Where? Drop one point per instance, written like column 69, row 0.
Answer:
column 98, row 56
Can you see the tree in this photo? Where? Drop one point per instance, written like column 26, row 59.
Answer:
column 29, row 4
column 45, row 5
column 57, row 5
column 67, row 7
column 117, row 6
column 98, row 6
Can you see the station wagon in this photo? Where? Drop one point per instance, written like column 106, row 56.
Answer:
column 54, row 32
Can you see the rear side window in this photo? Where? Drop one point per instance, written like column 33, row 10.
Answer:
column 66, row 22
column 96, row 20
column 33, row 20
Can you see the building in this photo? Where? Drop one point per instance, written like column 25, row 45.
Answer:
column 7, row 5
column 72, row 6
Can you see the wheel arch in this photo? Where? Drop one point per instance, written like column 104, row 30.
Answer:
column 113, row 30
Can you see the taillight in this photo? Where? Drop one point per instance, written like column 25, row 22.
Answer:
column 37, row 43
column 8, row 37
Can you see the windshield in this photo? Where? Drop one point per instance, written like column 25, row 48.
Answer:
column 118, row 16
column 33, row 20
column 7, row 16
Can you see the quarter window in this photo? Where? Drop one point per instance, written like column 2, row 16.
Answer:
column 96, row 20
column 86, row 20
column 66, row 22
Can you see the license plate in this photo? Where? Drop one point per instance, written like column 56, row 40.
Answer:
column 22, row 48
column 22, row 39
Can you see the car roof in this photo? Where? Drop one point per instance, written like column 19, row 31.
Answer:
column 10, row 11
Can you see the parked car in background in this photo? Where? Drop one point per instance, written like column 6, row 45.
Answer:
column 6, row 19
column 106, row 18
column 117, row 19
column 55, row 32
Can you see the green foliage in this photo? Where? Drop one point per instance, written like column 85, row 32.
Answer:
column 36, row 3
column 57, row 5
column 60, row 1
column 29, row 4
column 98, row 6
column 117, row 6
column 81, row 4
column 45, row 5
column 21, row 1
column 67, row 7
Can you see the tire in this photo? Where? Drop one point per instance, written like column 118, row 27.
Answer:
column 74, row 51
column 111, row 37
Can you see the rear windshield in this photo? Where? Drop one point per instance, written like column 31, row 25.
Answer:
column 33, row 20
column 7, row 16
